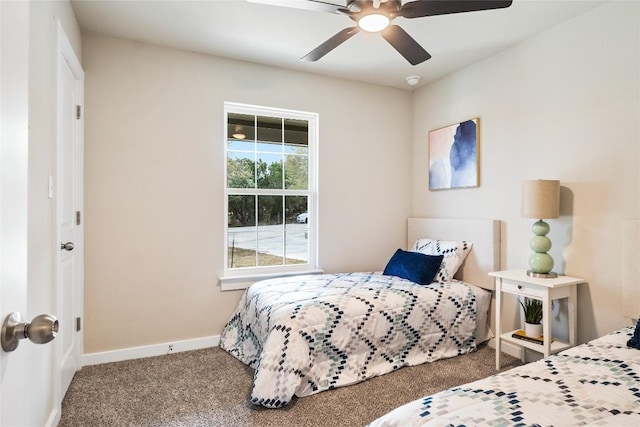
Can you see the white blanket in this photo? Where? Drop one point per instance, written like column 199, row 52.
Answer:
column 307, row 334
column 594, row 384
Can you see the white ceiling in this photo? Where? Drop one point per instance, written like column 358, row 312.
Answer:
column 280, row 36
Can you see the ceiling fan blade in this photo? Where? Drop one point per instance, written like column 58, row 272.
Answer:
column 313, row 5
column 331, row 44
column 420, row 8
column 405, row 44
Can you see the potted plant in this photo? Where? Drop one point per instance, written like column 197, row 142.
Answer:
column 532, row 317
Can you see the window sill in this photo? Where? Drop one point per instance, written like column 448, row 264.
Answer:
column 235, row 283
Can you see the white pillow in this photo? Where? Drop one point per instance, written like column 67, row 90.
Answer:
column 454, row 254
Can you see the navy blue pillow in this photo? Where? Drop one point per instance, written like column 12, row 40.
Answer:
column 635, row 340
column 414, row 266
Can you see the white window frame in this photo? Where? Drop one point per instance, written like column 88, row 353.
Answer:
column 241, row 278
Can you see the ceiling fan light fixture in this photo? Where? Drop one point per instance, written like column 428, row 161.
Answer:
column 374, row 22
column 239, row 133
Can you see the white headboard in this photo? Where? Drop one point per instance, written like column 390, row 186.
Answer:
column 631, row 269
column 483, row 233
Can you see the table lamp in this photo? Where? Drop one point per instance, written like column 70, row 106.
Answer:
column 540, row 200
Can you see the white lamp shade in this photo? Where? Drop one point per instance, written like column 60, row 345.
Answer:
column 540, row 199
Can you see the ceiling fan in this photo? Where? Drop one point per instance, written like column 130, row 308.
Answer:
column 376, row 16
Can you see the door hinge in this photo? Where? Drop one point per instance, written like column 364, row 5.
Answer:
column 78, row 217
column 78, row 324
column 78, row 112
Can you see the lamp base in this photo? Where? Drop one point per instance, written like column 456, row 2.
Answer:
column 549, row 275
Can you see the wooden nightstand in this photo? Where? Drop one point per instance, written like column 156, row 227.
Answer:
column 516, row 282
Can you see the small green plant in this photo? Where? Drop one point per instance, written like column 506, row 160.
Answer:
column 532, row 310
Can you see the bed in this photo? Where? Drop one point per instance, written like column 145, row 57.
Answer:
column 597, row 383
column 307, row 334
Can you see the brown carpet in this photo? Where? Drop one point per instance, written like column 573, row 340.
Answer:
column 211, row 388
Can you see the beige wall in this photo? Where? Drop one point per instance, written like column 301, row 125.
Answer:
column 43, row 18
column 562, row 105
column 154, row 185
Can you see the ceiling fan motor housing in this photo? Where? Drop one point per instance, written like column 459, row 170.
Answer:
column 359, row 8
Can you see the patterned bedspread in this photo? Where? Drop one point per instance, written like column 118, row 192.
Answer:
column 308, row 334
column 594, row 384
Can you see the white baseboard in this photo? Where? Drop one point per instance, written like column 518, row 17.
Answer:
column 508, row 348
column 197, row 344
column 149, row 350
column 54, row 418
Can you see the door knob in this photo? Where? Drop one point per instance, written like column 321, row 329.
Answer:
column 67, row 246
column 41, row 330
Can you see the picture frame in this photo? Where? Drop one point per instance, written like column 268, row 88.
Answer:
column 454, row 156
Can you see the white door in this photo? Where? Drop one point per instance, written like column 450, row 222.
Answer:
column 68, row 196
column 14, row 378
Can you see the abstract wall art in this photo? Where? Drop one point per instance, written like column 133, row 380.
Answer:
column 453, row 156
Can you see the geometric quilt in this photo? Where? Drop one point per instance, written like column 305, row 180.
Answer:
column 307, row 334
column 594, row 384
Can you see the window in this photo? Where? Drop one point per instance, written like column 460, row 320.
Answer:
column 270, row 197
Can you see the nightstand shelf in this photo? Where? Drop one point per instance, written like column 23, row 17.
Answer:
column 556, row 345
column 517, row 282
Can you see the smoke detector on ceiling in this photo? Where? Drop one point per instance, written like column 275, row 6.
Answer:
column 413, row 80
